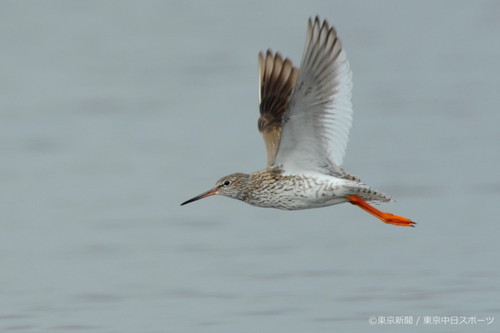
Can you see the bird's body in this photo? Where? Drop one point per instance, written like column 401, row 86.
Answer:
column 305, row 117
column 274, row 188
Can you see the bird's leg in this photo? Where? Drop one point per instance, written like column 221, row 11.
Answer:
column 384, row 217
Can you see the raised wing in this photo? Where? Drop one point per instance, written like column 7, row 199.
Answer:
column 317, row 121
column 276, row 81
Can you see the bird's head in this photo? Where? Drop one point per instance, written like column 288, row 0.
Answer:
column 232, row 186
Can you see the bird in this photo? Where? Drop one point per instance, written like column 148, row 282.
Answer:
column 305, row 118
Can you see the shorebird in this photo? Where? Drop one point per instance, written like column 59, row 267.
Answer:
column 305, row 118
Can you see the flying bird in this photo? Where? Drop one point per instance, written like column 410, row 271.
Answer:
column 305, row 118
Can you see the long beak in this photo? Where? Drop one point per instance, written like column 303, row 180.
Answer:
column 211, row 192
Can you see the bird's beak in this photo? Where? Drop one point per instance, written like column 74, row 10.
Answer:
column 211, row 192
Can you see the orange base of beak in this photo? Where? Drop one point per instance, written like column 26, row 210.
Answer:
column 382, row 216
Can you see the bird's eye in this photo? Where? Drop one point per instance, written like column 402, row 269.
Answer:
column 227, row 183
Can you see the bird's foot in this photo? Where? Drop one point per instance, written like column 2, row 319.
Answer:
column 382, row 216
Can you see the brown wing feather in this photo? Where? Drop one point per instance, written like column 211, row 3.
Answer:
column 276, row 82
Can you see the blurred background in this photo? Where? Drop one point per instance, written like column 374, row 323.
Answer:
column 114, row 112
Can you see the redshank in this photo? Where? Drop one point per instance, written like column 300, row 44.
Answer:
column 305, row 117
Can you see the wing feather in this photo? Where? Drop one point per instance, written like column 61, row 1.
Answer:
column 277, row 78
column 317, row 121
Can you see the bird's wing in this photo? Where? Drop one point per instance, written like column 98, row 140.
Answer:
column 276, row 81
column 316, row 123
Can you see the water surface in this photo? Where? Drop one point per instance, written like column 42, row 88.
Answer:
column 112, row 113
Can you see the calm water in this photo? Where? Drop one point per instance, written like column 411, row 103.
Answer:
column 112, row 113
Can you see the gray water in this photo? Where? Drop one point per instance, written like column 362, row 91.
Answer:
column 112, row 113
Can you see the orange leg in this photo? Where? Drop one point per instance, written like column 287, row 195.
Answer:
column 382, row 216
